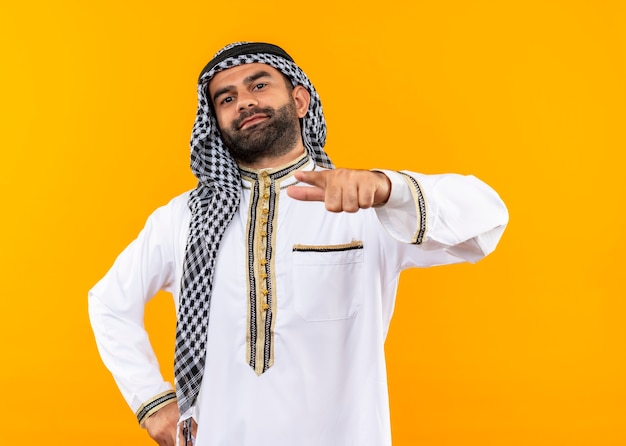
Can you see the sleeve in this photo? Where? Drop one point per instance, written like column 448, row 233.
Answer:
column 451, row 218
column 116, row 308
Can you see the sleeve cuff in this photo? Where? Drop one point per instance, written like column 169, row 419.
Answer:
column 405, row 215
column 154, row 404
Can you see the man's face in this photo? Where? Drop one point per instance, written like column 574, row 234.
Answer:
column 257, row 112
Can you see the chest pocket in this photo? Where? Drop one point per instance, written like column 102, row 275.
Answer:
column 328, row 281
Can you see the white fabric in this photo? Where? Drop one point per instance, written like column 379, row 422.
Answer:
column 328, row 384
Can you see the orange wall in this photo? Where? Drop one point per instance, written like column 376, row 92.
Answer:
column 524, row 348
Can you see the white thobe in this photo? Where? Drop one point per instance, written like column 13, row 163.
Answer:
column 295, row 357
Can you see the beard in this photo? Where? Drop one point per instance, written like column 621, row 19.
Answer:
column 275, row 136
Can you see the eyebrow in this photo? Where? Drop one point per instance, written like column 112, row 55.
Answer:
column 247, row 81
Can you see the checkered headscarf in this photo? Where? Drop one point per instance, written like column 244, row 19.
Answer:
column 216, row 199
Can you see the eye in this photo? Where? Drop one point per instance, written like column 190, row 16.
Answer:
column 260, row 86
column 226, row 100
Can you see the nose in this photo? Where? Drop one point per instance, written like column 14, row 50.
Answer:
column 246, row 100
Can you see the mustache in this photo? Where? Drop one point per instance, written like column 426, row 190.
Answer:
column 268, row 111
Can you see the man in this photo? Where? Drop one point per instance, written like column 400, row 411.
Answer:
column 284, row 270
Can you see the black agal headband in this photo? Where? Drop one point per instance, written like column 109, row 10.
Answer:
column 246, row 48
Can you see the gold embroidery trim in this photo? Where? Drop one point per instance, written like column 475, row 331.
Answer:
column 261, row 275
column 420, row 208
column 154, row 404
column 357, row 244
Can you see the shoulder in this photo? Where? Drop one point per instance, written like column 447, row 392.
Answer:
column 178, row 203
column 173, row 212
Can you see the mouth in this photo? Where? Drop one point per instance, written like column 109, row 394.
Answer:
column 252, row 120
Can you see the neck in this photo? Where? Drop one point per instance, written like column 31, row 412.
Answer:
column 273, row 161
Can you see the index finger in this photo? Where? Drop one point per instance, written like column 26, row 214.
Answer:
column 314, row 178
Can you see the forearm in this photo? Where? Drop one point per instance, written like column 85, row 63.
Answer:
column 126, row 351
column 458, row 214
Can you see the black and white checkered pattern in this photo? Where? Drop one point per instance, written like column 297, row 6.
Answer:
column 213, row 204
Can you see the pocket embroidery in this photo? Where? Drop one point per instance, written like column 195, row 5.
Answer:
column 328, row 248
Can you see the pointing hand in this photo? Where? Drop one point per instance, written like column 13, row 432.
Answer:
column 343, row 190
